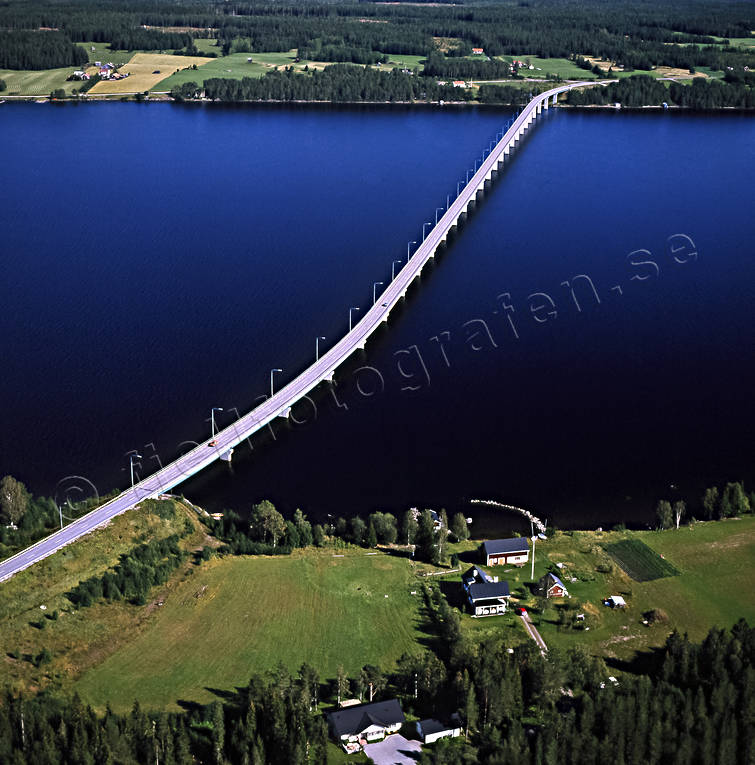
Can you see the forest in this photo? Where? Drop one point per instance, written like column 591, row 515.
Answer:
column 690, row 703
column 635, row 34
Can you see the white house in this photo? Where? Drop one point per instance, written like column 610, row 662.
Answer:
column 486, row 595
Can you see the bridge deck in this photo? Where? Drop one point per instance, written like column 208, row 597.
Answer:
column 201, row 456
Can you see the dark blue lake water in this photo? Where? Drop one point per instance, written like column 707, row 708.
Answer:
column 159, row 260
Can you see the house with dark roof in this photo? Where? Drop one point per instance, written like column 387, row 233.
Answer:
column 552, row 587
column 354, row 726
column 498, row 552
column 431, row 730
column 485, row 594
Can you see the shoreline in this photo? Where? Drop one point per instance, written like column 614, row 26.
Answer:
column 164, row 97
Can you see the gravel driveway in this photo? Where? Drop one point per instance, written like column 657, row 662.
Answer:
column 394, row 750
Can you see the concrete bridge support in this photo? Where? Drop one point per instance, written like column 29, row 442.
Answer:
column 226, row 456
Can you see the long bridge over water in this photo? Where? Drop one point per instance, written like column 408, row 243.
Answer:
column 279, row 404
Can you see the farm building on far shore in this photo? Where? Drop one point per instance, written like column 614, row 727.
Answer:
column 431, row 730
column 497, row 552
column 552, row 587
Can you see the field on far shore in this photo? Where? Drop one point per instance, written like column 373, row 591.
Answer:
column 240, row 615
column 142, row 68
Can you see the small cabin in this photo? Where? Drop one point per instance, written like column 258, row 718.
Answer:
column 552, row 587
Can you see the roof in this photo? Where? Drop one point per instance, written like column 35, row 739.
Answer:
column 485, row 590
column 475, row 574
column 347, row 722
column 432, row 725
column 499, row 546
column 617, row 600
column 552, row 579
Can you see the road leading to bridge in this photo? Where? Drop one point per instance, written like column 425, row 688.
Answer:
column 323, row 369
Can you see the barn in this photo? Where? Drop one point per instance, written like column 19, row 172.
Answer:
column 498, row 552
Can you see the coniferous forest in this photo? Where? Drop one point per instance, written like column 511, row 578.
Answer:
column 690, row 704
column 689, row 36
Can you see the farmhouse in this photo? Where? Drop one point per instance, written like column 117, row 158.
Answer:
column 552, row 587
column 431, row 730
column 354, row 726
column 486, row 595
column 477, row 51
column 497, row 552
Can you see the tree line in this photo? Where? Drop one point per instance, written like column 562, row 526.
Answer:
column 268, row 532
column 338, row 83
column 39, row 50
column 136, row 573
column 643, row 90
column 635, row 35
column 690, row 703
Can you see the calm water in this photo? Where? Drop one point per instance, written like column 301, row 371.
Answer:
column 159, row 260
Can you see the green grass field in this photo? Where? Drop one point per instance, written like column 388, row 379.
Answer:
column 548, row 67
column 232, row 67
column 40, row 83
column 78, row 637
column 716, row 565
column 406, row 61
column 639, row 561
column 240, row 615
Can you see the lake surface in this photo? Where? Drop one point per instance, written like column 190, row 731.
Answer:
column 159, row 260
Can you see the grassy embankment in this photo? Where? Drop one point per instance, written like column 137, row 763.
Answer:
column 78, row 638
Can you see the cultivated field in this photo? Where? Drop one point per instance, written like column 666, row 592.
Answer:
column 40, row 83
column 639, row 561
column 233, row 67
column 240, row 615
column 142, row 68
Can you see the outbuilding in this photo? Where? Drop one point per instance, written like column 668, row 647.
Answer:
column 498, row 552
column 431, row 730
column 552, row 587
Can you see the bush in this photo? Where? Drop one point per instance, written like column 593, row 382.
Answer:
column 604, row 568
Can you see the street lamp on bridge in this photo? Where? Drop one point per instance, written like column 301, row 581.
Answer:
column 272, row 372
column 393, row 268
column 374, row 293
column 353, row 308
column 131, row 461
column 212, row 417
column 458, row 190
column 429, row 223
column 436, row 214
column 317, row 347
column 408, row 247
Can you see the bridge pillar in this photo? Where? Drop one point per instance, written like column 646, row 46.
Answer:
column 226, row 456
column 286, row 412
column 539, row 107
column 329, row 377
column 545, row 103
column 555, row 98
